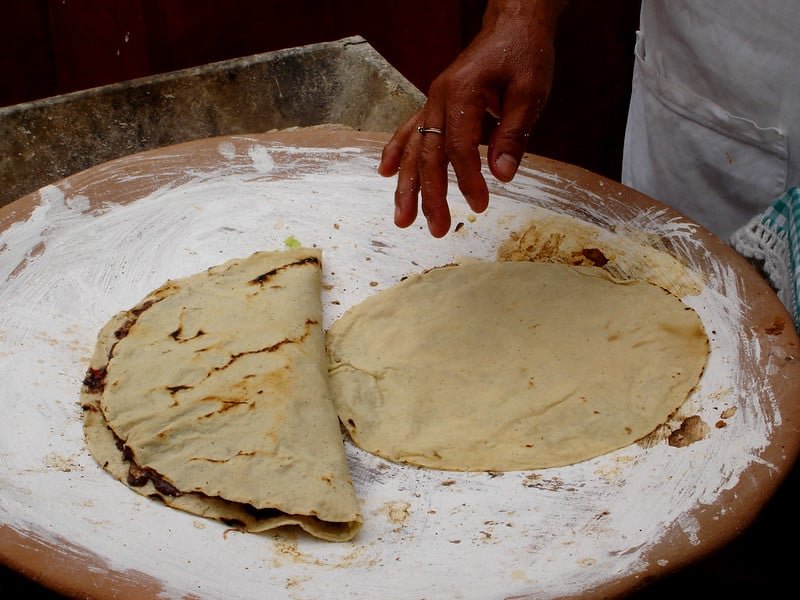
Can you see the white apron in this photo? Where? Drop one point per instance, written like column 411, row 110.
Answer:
column 714, row 121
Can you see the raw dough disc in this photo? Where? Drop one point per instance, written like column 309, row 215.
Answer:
column 511, row 365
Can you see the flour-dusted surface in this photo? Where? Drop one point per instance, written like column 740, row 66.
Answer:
column 96, row 243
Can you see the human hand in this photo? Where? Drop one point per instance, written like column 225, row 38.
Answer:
column 507, row 70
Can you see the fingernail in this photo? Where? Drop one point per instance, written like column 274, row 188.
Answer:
column 506, row 165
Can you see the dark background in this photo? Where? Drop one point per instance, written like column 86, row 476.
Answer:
column 51, row 47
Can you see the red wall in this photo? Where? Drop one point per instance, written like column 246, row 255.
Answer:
column 49, row 47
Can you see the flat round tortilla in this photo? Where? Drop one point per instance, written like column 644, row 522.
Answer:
column 511, row 365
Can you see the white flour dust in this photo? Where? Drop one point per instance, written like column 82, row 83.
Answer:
column 79, row 258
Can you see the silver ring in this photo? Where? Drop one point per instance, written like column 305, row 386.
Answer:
column 430, row 130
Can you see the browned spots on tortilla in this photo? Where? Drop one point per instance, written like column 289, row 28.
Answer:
column 177, row 335
column 692, row 429
column 223, row 460
column 227, row 405
column 271, row 348
column 264, row 277
column 134, row 313
column 777, row 327
column 174, row 389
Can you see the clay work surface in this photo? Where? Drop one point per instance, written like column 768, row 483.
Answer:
column 75, row 253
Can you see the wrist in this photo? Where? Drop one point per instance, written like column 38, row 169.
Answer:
column 544, row 13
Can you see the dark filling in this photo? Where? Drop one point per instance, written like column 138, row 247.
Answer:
column 595, row 255
column 95, row 379
column 139, row 476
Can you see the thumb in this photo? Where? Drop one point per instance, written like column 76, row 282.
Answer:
column 509, row 140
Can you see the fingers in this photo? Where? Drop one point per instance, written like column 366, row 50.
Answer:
column 464, row 130
column 393, row 151
column 432, row 163
column 426, row 160
column 509, row 140
column 420, row 161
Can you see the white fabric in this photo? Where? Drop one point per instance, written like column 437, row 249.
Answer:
column 714, row 121
column 770, row 251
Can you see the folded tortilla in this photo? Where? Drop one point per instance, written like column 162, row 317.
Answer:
column 212, row 394
column 500, row 366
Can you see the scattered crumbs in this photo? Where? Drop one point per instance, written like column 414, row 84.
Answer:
column 471, row 218
column 448, row 482
column 292, row 242
column 720, row 424
column 336, row 302
column 397, row 512
column 454, row 541
column 728, row 413
column 60, row 463
column 693, row 429
column 287, row 549
column 655, row 437
column 553, row 485
column 198, row 525
column 293, row 582
column 327, row 287
column 373, row 283
column 494, row 474
column 336, row 226
column 459, row 227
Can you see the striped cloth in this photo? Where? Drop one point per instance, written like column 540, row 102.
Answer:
column 772, row 240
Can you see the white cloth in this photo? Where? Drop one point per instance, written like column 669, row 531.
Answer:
column 714, row 120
